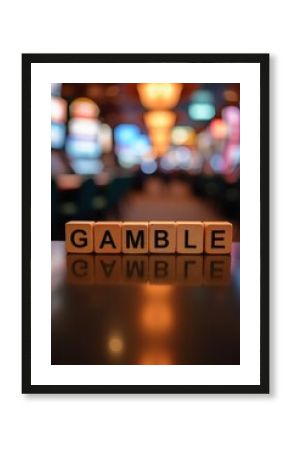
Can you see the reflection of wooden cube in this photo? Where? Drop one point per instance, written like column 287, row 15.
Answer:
column 161, row 269
column 135, row 237
column 218, row 237
column 108, row 269
column 135, row 268
column 107, row 237
column 217, row 270
column 189, row 237
column 162, row 237
column 79, row 237
column 189, row 269
column 80, row 269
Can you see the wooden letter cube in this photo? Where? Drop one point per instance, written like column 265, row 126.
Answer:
column 79, row 237
column 218, row 238
column 162, row 237
column 189, row 237
column 107, row 237
column 135, row 237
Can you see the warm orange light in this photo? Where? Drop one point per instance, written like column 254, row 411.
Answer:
column 231, row 96
column 160, row 137
column 218, row 129
column 68, row 181
column 116, row 345
column 159, row 119
column 156, row 355
column 183, row 135
column 159, row 150
column 159, row 95
column 84, row 107
column 157, row 290
column 58, row 110
column 157, row 317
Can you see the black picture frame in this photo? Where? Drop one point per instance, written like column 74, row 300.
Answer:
column 263, row 60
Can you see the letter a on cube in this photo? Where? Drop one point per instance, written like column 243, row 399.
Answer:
column 107, row 237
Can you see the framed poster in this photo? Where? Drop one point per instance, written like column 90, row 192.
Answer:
column 174, row 140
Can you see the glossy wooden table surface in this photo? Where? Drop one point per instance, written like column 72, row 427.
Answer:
column 144, row 309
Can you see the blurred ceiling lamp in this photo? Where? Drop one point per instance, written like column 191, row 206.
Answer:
column 231, row 95
column 231, row 114
column 202, row 106
column 82, row 148
column 183, row 157
column 127, row 158
column 202, row 96
column 168, row 161
column 201, row 111
column 204, row 142
column 149, row 167
column 112, row 91
column 160, row 137
column 183, row 136
column 218, row 129
column 217, row 163
column 87, row 166
column 126, row 133
column 58, row 110
column 159, row 119
column 68, row 181
column 142, row 145
column 159, row 150
column 106, row 138
column 87, row 128
column 159, row 95
column 58, row 131
column 84, row 107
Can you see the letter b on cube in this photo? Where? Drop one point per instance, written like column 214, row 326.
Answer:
column 162, row 237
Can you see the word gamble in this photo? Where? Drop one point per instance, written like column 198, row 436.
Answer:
column 148, row 237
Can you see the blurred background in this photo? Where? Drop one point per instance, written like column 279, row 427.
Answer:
column 153, row 151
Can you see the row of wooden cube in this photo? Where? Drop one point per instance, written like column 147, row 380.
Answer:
column 148, row 237
column 192, row 270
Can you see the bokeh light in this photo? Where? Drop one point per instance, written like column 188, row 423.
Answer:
column 159, row 95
